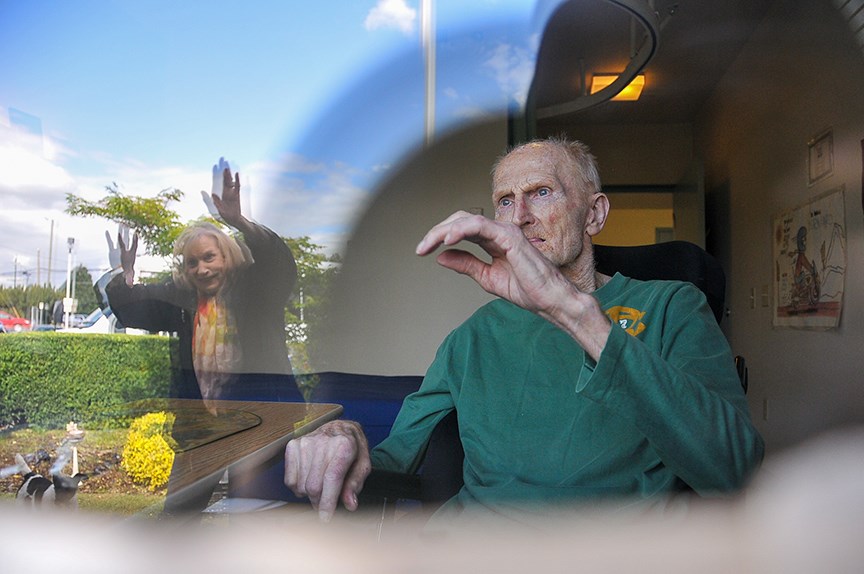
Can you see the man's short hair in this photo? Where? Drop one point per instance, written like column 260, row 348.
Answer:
column 585, row 173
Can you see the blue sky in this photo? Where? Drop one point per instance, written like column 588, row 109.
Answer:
column 312, row 101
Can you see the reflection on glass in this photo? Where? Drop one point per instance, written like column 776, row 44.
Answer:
column 316, row 135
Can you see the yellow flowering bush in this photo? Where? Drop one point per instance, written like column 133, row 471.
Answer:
column 147, row 455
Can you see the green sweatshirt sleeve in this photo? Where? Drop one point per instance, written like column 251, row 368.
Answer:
column 403, row 449
column 686, row 399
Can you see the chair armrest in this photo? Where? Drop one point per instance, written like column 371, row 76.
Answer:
column 383, row 485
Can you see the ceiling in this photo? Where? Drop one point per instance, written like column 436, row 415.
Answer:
column 698, row 41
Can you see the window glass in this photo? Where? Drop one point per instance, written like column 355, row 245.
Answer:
column 313, row 103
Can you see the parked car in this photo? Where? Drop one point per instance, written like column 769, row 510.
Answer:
column 13, row 323
column 101, row 322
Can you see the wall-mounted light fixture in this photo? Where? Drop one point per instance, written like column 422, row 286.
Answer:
column 642, row 14
column 630, row 93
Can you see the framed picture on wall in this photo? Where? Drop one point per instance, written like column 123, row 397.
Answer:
column 820, row 159
column 810, row 262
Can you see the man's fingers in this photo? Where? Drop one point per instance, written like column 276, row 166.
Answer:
column 292, row 466
column 328, row 464
column 331, row 489
column 452, row 230
column 335, row 473
column 110, row 241
column 462, row 262
column 320, row 476
column 358, row 472
column 356, row 478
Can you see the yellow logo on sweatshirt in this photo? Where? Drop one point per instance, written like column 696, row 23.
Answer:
column 627, row 318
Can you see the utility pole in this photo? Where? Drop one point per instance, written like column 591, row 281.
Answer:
column 50, row 252
column 67, row 302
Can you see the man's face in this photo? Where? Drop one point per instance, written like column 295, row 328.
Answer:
column 531, row 188
column 204, row 265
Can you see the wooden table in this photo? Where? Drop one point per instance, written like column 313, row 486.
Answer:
column 265, row 429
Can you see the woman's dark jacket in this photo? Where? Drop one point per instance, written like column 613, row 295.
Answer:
column 256, row 297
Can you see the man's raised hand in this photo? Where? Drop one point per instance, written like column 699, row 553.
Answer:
column 517, row 272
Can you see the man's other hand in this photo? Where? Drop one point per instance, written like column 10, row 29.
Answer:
column 329, row 464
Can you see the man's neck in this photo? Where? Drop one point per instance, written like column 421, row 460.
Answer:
column 582, row 274
column 584, row 279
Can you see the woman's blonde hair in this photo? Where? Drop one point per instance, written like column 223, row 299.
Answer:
column 235, row 256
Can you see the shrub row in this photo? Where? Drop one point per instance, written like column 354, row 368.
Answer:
column 49, row 379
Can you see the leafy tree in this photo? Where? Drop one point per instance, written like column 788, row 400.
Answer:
column 307, row 312
column 157, row 224
column 312, row 269
column 82, row 283
column 19, row 300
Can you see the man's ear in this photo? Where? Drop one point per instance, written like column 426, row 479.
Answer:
column 597, row 212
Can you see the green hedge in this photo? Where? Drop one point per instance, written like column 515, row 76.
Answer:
column 49, row 379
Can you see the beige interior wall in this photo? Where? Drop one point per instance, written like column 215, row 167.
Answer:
column 652, row 154
column 800, row 73
column 390, row 308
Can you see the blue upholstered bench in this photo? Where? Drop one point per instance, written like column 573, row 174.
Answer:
column 371, row 400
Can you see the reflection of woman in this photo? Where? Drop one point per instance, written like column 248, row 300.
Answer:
column 226, row 302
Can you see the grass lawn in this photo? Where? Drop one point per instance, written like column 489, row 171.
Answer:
column 123, row 504
column 109, row 503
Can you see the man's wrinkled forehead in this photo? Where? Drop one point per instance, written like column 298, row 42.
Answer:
column 535, row 160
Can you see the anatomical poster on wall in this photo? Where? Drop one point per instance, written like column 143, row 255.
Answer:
column 810, row 263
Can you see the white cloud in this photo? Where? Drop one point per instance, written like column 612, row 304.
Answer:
column 311, row 198
column 391, row 14
column 35, row 227
column 28, row 178
column 291, row 194
column 513, row 68
column 465, row 108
